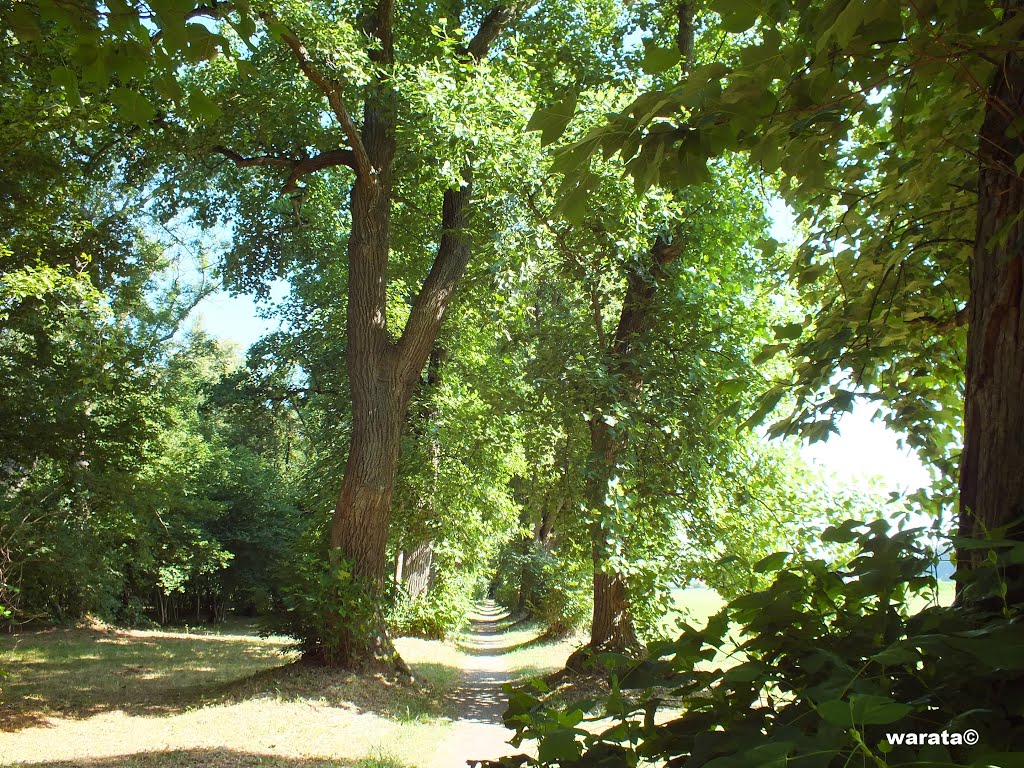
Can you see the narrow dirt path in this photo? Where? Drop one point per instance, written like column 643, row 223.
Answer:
column 478, row 703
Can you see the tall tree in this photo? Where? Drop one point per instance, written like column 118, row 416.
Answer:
column 991, row 484
column 359, row 66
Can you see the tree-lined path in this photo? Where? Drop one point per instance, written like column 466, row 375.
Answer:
column 539, row 336
column 478, row 703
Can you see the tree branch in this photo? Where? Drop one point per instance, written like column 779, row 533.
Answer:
column 332, row 90
column 636, row 317
column 493, row 24
column 249, row 162
column 299, row 168
column 957, row 320
column 453, row 252
column 684, row 34
column 318, row 162
column 429, row 308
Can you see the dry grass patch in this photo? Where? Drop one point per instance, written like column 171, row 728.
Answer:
column 214, row 758
column 228, row 698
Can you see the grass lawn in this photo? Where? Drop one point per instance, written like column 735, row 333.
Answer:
column 224, row 698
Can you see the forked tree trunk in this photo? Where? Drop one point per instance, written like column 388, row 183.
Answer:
column 992, row 464
column 382, row 372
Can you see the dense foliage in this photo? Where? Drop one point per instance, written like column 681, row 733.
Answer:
column 816, row 669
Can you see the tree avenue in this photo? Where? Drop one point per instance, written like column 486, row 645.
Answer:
column 532, row 343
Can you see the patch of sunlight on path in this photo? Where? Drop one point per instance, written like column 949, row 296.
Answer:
column 477, row 732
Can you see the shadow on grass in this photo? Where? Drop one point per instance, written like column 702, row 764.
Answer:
column 216, row 758
column 394, row 699
column 81, row 673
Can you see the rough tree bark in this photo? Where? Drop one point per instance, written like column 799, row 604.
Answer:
column 991, row 480
column 420, row 569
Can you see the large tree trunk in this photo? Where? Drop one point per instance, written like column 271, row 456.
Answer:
column 611, row 626
column 992, row 464
column 359, row 528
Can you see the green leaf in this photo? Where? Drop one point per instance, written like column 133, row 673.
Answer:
column 553, row 120
column 574, row 206
column 738, row 15
column 1000, row 760
column 202, row 43
column 772, row 755
column 203, row 107
column 23, row 23
column 132, row 106
column 788, row 331
column 246, row 69
column 863, row 709
column 169, row 87
column 559, row 746
column 657, row 59
column 766, row 405
column 745, row 673
column 772, row 562
column 768, row 351
column 896, row 655
column 646, row 674
column 66, row 80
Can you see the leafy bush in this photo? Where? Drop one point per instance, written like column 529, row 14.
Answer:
column 433, row 616
column 815, row 670
column 323, row 605
column 554, row 590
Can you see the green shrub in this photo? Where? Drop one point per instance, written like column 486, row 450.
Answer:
column 816, row 670
column 433, row 616
column 324, row 606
